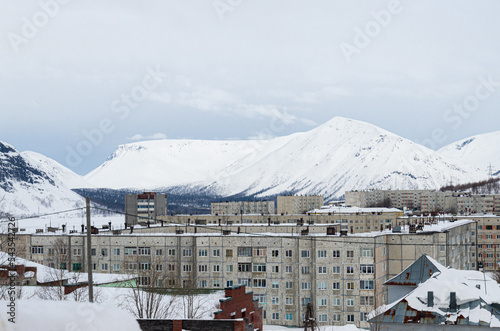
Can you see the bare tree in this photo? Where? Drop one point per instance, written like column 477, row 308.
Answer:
column 376, row 317
column 148, row 298
column 193, row 301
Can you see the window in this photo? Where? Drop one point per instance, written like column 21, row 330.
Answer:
column 306, row 270
column 275, row 300
column 349, row 285
column 349, row 269
column 321, row 254
column 244, row 251
column 187, row 252
column 171, row 267
column 186, row 267
column 275, row 285
column 350, row 253
column 336, row 301
column 144, row 250
column 274, row 253
column 366, row 269
column 350, row 318
column 363, row 317
column 77, row 266
column 216, row 252
column 289, row 301
column 289, row 285
column 305, row 301
column 229, row 253
column 336, row 254
column 259, row 251
column 288, row 269
column 244, row 267
column 216, row 283
column 76, row 251
column 202, row 268
column 336, row 286
column 366, row 284
column 216, row 268
column 37, row 250
column 104, row 266
column 144, row 281
column 259, row 267
column 130, row 251
column 323, row 317
column 171, row 252
column 116, row 251
column 306, row 285
column 94, row 266
column 322, row 270
column 159, row 252
column 289, row 316
column 93, row 252
column 261, row 298
column 202, row 252
column 322, row 302
column 116, row 266
column 244, row 281
column 288, row 253
column 336, row 269
column 276, row 316
column 305, row 254
column 229, row 268
column 104, row 252
column 321, row 285
column 131, row 266
column 366, row 301
column 366, row 252
column 275, row 268
column 229, row 283
column 145, row 266
column 259, row 282
column 203, row 283
column 336, row 317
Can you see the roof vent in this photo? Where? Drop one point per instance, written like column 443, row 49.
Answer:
column 453, row 301
column 430, row 299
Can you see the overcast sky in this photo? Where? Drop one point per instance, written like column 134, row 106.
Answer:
column 78, row 78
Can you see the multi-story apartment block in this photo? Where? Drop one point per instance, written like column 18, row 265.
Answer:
column 427, row 201
column 242, row 207
column 298, row 204
column 144, row 207
column 341, row 276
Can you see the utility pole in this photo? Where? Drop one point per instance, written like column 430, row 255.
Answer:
column 89, row 256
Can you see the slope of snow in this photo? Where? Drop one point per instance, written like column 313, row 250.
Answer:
column 55, row 170
column 67, row 315
column 339, row 155
column 26, row 189
column 478, row 151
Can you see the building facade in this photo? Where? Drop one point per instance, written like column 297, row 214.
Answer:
column 242, row 207
column 298, row 204
column 144, row 207
column 341, row 276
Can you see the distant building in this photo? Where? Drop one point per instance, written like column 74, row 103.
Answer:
column 433, row 297
column 242, row 207
column 141, row 208
column 298, row 204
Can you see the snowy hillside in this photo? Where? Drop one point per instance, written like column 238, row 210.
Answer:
column 27, row 189
column 478, row 151
column 339, row 155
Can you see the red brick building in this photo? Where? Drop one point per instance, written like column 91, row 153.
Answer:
column 239, row 304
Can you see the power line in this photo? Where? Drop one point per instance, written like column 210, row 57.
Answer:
column 42, row 215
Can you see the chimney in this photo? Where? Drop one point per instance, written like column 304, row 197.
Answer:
column 63, row 227
column 83, row 228
column 430, row 299
column 131, row 229
column 453, row 301
column 109, row 223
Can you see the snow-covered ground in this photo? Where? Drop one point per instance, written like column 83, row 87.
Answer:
column 321, row 328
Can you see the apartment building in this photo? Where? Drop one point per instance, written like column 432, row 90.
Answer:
column 145, row 206
column 298, row 204
column 242, row 207
column 341, row 276
column 427, row 201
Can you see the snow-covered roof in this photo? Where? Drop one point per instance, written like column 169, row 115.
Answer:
column 477, row 299
column 417, row 273
column 353, row 210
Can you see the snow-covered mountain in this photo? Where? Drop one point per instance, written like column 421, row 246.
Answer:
column 339, row 155
column 477, row 151
column 28, row 188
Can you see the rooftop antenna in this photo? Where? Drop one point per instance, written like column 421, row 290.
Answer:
column 490, row 171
